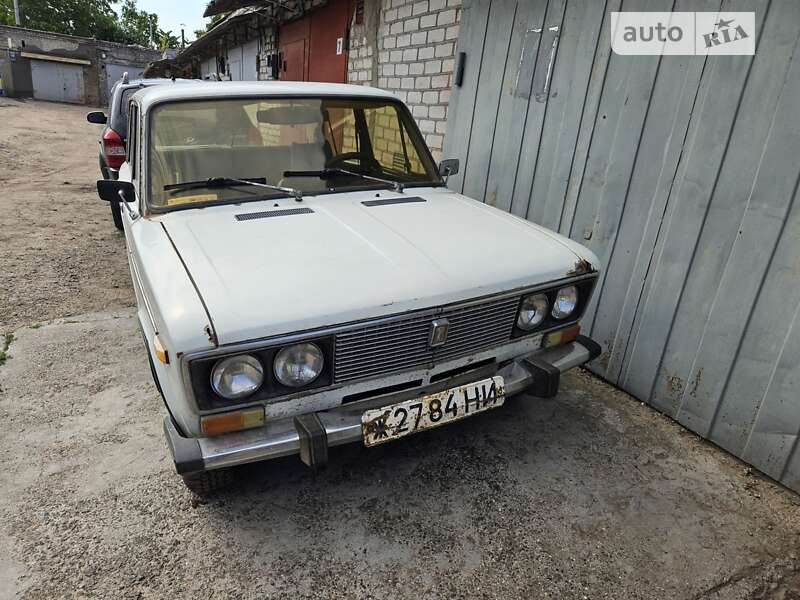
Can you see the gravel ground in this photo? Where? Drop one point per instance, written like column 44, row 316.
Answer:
column 590, row 495
column 58, row 254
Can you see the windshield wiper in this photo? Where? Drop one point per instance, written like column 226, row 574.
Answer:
column 325, row 173
column 222, row 182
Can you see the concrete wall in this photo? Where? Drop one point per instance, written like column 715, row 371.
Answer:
column 98, row 53
column 408, row 47
column 120, row 54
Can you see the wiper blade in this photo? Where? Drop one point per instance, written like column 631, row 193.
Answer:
column 222, row 182
column 325, row 173
column 212, row 182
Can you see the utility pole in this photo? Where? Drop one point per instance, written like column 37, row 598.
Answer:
column 16, row 12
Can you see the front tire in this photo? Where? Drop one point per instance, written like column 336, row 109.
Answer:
column 116, row 215
column 205, row 483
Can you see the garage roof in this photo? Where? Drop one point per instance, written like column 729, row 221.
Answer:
column 216, row 7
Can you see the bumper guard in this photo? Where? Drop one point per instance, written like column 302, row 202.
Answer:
column 311, row 435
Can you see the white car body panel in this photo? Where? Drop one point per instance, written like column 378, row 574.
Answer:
column 205, row 280
column 347, row 262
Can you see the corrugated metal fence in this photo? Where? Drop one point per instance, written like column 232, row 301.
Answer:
column 681, row 173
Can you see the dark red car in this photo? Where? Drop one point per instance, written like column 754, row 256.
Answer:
column 115, row 132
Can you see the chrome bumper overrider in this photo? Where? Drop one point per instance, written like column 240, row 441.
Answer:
column 342, row 425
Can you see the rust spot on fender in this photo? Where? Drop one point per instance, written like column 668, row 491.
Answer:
column 580, row 267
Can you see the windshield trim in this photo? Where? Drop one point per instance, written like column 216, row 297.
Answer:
column 280, row 196
column 414, row 133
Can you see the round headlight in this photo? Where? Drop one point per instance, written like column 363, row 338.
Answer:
column 532, row 312
column 237, row 376
column 566, row 301
column 298, row 365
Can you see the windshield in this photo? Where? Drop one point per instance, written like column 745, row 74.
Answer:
column 255, row 138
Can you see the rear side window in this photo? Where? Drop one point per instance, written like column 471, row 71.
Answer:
column 119, row 121
column 126, row 100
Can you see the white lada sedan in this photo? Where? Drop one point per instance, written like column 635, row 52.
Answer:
column 306, row 279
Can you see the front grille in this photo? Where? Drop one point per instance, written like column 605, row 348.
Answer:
column 404, row 344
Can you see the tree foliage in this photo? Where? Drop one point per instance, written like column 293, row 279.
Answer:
column 90, row 18
column 167, row 40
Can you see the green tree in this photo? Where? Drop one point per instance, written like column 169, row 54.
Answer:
column 167, row 40
column 88, row 18
column 139, row 26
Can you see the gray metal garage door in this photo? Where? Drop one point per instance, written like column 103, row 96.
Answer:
column 235, row 63
column 59, row 82
column 682, row 174
column 249, row 61
column 114, row 74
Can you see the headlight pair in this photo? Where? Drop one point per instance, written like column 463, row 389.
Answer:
column 534, row 308
column 242, row 375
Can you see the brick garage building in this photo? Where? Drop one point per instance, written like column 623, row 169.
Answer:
column 408, row 47
column 404, row 46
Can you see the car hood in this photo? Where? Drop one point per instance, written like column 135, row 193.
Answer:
column 341, row 259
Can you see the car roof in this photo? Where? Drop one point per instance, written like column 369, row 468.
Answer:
column 157, row 81
column 227, row 89
column 137, row 83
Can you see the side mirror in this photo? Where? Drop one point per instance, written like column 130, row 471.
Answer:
column 448, row 167
column 97, row 117
column 112, row 190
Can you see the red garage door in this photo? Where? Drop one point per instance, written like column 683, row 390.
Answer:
column 314, row 48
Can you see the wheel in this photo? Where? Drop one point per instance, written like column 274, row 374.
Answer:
column 116, row 214
column 206, row 483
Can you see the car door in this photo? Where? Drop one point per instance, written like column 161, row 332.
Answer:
column 136, row 227
column 133, row 210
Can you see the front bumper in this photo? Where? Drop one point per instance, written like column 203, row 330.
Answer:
column 311, row 435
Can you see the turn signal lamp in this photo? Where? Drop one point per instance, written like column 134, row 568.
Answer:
column 557, row 338
column 232, row 421
column 161, row 352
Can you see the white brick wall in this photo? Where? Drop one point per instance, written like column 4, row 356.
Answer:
column 268, row 47
column 416, row 42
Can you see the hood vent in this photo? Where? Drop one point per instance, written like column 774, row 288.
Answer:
column 273, row 213
column 393, row 201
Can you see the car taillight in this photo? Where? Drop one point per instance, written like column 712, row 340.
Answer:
column 113, row 149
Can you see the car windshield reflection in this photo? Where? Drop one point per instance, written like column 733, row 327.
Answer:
column 312, row 145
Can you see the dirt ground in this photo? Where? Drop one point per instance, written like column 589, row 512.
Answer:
column 590, row 495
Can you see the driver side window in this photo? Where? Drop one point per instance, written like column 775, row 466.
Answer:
column 390, row 143
column 391, row 148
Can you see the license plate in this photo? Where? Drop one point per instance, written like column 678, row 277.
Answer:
column 389, row 423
